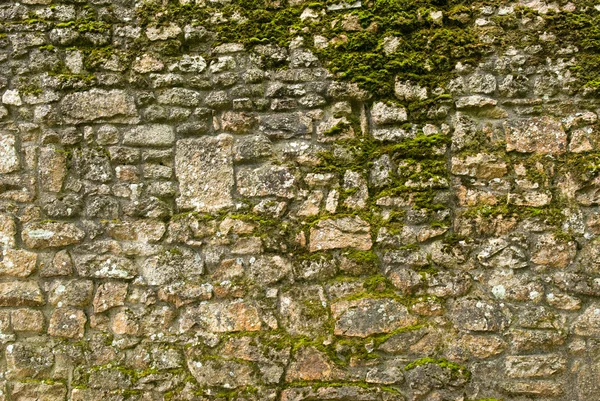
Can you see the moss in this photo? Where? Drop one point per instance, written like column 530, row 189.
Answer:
column 456, row 369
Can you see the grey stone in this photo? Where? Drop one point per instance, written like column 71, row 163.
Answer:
column 149, row 135
column 204, row 169
column 10, row 159
column 538, row 134
column 266, row 180
column 98, row 105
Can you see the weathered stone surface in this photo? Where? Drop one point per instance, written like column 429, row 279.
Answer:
column 303, row 310
column 475, row 315
column 539, row 135
column 70, row 292
column 482, row 166
column 176, row 264
column 310, row 364
column 108, row 295
column 8, row 231
column 534, row 365
column 38, row 391
column 104, row 266
column 149, row 135
column 67, row 322
column 382, row 113
column 228, row 374
column 266, row 180
column 10, row 158
column 52, row 168
column 204, row 169
column 51, row 235
column 222, row 317
column 345, row 232
column 17, row 263
column 553, row 252
column 97, row 104
column 27, row 360
column 21, row 293
column 588, row 323
column 364, row 317
column 27, row 320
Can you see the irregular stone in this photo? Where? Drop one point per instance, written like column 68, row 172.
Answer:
column 221, row 373
column 253, row 147
column 363, row 317
column 12, row 98
column 98, row 104
column 17, row 263
column 51, row 235
column 303, row 310
column 8, row 231
column 149, row 135
column 553, row 252
column 409, row 91
column 482, row 166
column 27, row 360
column 309, row 364
column 356, row 182
column 70, row 292
column 176, row 264
column 475, row 101
column 21, row 293
column 67, row 322
column 588, row 323
column 62, row 265
column 267, row 269
column 534, row 365
column 345, row 232
column 52, row 169
column 529, row 340
column 165, row 32
column 10, row 159
column 23, row 391
column 266, row 180
column 541, row 388
column 482, row 346
column 204, row 169
column 382, row 113
column 179, row 97
column 27, row 320
column 538, row 134
column 104, row 266
column 336, row 393
column 474, row 315
column 108, row 295
column 222, row 317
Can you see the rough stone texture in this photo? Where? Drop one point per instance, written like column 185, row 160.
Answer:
column 541, row 135
column 299, row 200
column 204, row 169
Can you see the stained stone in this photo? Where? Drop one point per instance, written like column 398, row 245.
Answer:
column 98, row 104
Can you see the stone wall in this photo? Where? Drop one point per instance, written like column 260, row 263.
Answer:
column 247, row 200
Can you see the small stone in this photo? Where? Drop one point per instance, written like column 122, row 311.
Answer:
column 409, row 91
column 17, row 263
column 482, row 166
column 475, row 101
column 51, row 234
column 12, row 97
column 163, row 32
column 125, row 323
column 61, row 265
column 204, row 168
column 24, row 391
column 345, row 232
column 470, row 314
column 21, row 293
column 309, row 364
column 27, row 320
column 8, row 231
column 149, row 135
column 67, row 322
column 108, row 295
column 147, row 63
column 104, row 266
column 538, row 134
column 10, row 159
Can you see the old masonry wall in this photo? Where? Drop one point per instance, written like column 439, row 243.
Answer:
column 379, row 200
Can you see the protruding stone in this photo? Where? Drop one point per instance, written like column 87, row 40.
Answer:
column 382, row 113
column 470, row 314
column 345, row 232
column 27, row 320
column 222, row 317
column 28, row 391
column 538, row 134
column 51, row 234
column 8, row 231
column 534, row 365
column 204, row 168
column 588, row 323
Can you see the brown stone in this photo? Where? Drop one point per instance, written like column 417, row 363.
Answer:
column 309, row 364
column 345, row 232
column 27, row 320
column 108, row 295
column 538, row 134
column 52, row 168
column 17, row 263
column 67, row 322
column 21, row 293
column 51, row 235
column 223, row 317
column 8, row 231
